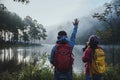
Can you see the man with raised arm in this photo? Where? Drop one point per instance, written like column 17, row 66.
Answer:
column 61, row 54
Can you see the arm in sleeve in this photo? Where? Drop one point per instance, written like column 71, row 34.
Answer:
column 86, row 55
column 73, row 35
column 52, row 54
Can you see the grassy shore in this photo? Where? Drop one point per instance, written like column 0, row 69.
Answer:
column 11, row 70
column 30, row 72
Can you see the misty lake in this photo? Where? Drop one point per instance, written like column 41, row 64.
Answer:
column 26, row 53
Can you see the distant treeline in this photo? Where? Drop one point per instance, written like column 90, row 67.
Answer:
column 14, row 29
column 104, row 24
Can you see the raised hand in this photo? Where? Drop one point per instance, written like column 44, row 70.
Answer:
column 76, row 21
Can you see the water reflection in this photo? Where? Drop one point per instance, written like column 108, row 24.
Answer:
column 33, row 53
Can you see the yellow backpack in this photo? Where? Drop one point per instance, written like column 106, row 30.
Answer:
column 98, row 65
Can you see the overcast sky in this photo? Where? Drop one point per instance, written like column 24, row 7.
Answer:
column 52, row 12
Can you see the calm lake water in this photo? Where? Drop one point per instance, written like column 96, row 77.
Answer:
column 35, row 52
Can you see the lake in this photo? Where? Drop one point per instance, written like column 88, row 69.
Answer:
column 35, row 52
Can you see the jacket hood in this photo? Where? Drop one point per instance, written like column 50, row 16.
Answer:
column 63, row 39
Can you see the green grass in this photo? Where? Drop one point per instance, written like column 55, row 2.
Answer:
column 30, row 71
column 113, row 73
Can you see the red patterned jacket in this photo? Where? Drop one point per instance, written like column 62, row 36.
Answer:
column 86, row 58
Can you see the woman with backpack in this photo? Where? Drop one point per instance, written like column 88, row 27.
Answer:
column 61, row 55
column 94, row 59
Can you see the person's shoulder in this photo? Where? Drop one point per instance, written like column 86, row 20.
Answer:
column 54, row 46
column 88, row 49
column 99, row 47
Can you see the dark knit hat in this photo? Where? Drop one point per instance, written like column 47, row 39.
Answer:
column 61, row 33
